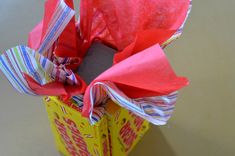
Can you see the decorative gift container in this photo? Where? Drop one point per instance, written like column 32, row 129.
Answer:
column 140, row 80
column 114, row 134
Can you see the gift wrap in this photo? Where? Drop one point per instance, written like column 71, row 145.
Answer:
column 116, row 133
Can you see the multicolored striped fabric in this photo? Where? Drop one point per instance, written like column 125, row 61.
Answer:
column 17, row 61
column 156, row 110
column 61, row 17
column 21, row 59
column 56, row 72
column 97, row 113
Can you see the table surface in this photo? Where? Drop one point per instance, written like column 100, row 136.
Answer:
column 203, row 122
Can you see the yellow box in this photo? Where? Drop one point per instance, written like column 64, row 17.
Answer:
column 74, row 136
column 125, row 129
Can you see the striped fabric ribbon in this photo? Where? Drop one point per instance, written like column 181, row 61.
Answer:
column 56, row 72
column 61, row 17
column 17, row 61
column 97, row 113
column 157, row 109
column 21, row 59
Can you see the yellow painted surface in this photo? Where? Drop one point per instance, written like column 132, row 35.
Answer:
column 74, row 136
column 125, row 129
column 115, row 134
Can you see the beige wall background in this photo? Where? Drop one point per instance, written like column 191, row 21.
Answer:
column 203, row 122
